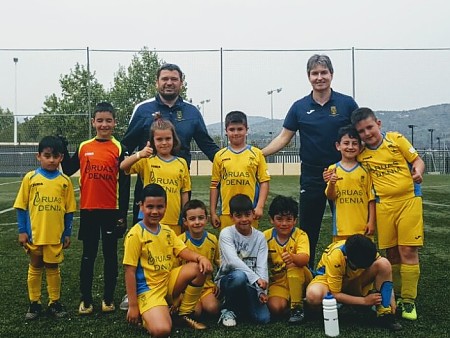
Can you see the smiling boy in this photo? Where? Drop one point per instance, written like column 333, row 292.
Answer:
column 397, row 171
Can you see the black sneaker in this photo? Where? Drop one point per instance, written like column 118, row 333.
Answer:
column 56, row 309
column 34, row 311
column 388, row 321
column 297, row 316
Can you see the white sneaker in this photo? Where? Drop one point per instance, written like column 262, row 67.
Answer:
column 228, row 318
column 124, row 304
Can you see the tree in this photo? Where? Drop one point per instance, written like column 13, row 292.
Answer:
column 7, row 123
column 68, row 114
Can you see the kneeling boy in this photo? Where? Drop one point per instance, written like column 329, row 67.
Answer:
column 350, row 269
column 151, row 282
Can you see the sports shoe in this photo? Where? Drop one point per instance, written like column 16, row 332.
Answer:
column 388, row 321
column 227, row 317
column 399, row 310
column 34, row 311
column 297, row 316
column 56, row 309
column 187, row 320
column 124, row 303
column 85, row 308
column 108, row 307
column 409, row 311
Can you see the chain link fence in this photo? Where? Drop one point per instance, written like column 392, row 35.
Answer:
column 218, row 81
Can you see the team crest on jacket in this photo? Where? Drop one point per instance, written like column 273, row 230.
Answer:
column 179, row 115
column 333, row 111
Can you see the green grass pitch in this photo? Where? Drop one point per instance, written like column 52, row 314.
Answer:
column 432, row 309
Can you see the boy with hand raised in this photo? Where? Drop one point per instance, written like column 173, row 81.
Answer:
column 288, row 260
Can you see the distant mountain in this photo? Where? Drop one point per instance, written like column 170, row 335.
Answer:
column 434, row 117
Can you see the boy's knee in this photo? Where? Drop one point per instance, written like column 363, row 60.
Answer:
column 159, row 331
column 238, row 278
column 314, row 295
column 382, row 265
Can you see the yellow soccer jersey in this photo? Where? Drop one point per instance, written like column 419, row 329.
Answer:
column 297, row 243
column 334, row 266
column 152, row 254
column 46, row 198
column 172, row 175
column 207, row 246
column 238, row 173
column 389, row 167
column 353, row 193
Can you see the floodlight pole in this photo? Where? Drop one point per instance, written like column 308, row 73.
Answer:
column 270, row 92
column 412, row 133
column 16, row 60
column 431, row 137
column 203, row 106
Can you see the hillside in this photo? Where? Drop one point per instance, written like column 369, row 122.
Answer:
column 434, row 117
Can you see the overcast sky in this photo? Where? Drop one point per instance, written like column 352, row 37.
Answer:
column 384, row 80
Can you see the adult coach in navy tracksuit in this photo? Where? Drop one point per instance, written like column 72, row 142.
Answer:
column 186, row 118
column 317, row 117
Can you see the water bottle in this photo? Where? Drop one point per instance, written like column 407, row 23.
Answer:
column 330, row 316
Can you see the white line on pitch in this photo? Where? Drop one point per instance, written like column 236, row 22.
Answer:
column 6, row 210
column 5, row 183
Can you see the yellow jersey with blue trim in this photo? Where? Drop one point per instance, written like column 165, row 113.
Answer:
column 152, row 253
column 47, row 197
column 297, row 243
column 173, row 175
column 333, row 265
column 351, row 207
column 389, row 165
column 238, row 172
column 207, row 246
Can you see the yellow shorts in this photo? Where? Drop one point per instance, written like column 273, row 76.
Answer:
column 352, row 286
column 207, row 291
column 279, row 287
column 226, row 221
column 160, row 296
column 51, row 253
column 400, row 223
column 340, row 238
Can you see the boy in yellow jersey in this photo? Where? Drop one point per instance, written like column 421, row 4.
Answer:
column 350, row 189
column 350, row 269
column 237, row 168
column 104, row 196
column 288, row 260
column 396, row 169
column 45, row 205
column 196, row 238
column 151, row 281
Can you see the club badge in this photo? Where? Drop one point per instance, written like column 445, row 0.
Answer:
column 333, row 110
column 179, row 115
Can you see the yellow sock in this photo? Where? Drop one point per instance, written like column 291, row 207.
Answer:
column 34, row 282
column 53, row 283
column 381, row 310
column 410, row 278
column 190, row 298
column 397, row 279
column 296, row 280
